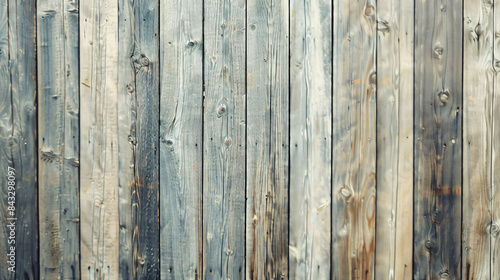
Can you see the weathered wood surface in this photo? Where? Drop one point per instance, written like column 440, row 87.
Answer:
column 310, row 139
column 354, row 140
column 99, row 140
column 224, row 127
column 251, row 139
column 18, row 136
column 394, row 139
column 478, row 77
column 267, row 140
column 438, row 140
column 495, row 139
column 58, row 135
column 181, row 145
column 138, row 104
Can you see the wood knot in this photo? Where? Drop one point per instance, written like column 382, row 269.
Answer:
column 144, row 60
column 444, row 275
column 191, row 44
column 222, row 110
column 345, row 191
column 438, row 51
column 429, row 244
column 383, row 26
column 252, row 27
column 444, row 97
column 494, row 230
column 373, row 79
column 369, row 10
column 228, row 142
column 223, row 26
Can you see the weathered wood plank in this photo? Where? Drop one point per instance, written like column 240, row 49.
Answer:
column 495, row 164
column 438, row 133
column 99, row 139
column 354, row 149
column 141, row 51
column 310, row 138
column 181, row 127
column 394, row 140
column 478, row 79
column 224, row 140
column 58, row 130
column 18, row 137
column 267, row 140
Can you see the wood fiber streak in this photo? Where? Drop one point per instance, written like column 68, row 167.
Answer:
column 495, row 132
column 394, row 244
column 354, row 140
column 18, row 135
column 267, row 139
column 438, row 140
column 478, row 77
column 310, row 139
column 224, row 140
column 59, row 146
column 99, row 165
column 181, row 126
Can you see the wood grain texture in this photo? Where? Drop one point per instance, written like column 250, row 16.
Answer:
column 267, row 139
column 354, row 140
column 438, row 133
column 99, row 139
column 18, row 135
column 478, row 79
column 59, row 139
column 224, row 140
column 139, row 91
column 393, row 259
column 310, row 139
column 495, row 140
column 181, row 128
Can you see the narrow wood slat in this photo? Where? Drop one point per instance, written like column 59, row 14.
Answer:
column 181, row 126
column 438, row 133
column 99, row 168
column 354, row 138
column 18, row 137
column 393, row 260
column 144, row 61
column 58, row 130
column 267, row 140
column 224, row 140
column 495, row 164
column 478, row 77
column 310, row 138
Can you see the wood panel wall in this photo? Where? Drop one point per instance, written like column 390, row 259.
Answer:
column 250, row 139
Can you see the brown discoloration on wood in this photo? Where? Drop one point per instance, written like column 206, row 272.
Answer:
column 354, row 150
column 267, row 140
column 438, row 82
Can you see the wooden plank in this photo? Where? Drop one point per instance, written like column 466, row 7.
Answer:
column 478, row 79
column 18, row 137
column 495, row 201
column 438, row 133
column 267, row 140
column 143, row 56
column 394, row 139
column 99, row 139
column 224, row 140
column 181, row 126
column 354, row 148
column 310, row 139
column 58, row 120
column 138, row 113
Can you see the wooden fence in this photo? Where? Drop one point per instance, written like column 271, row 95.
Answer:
column 249, row 139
